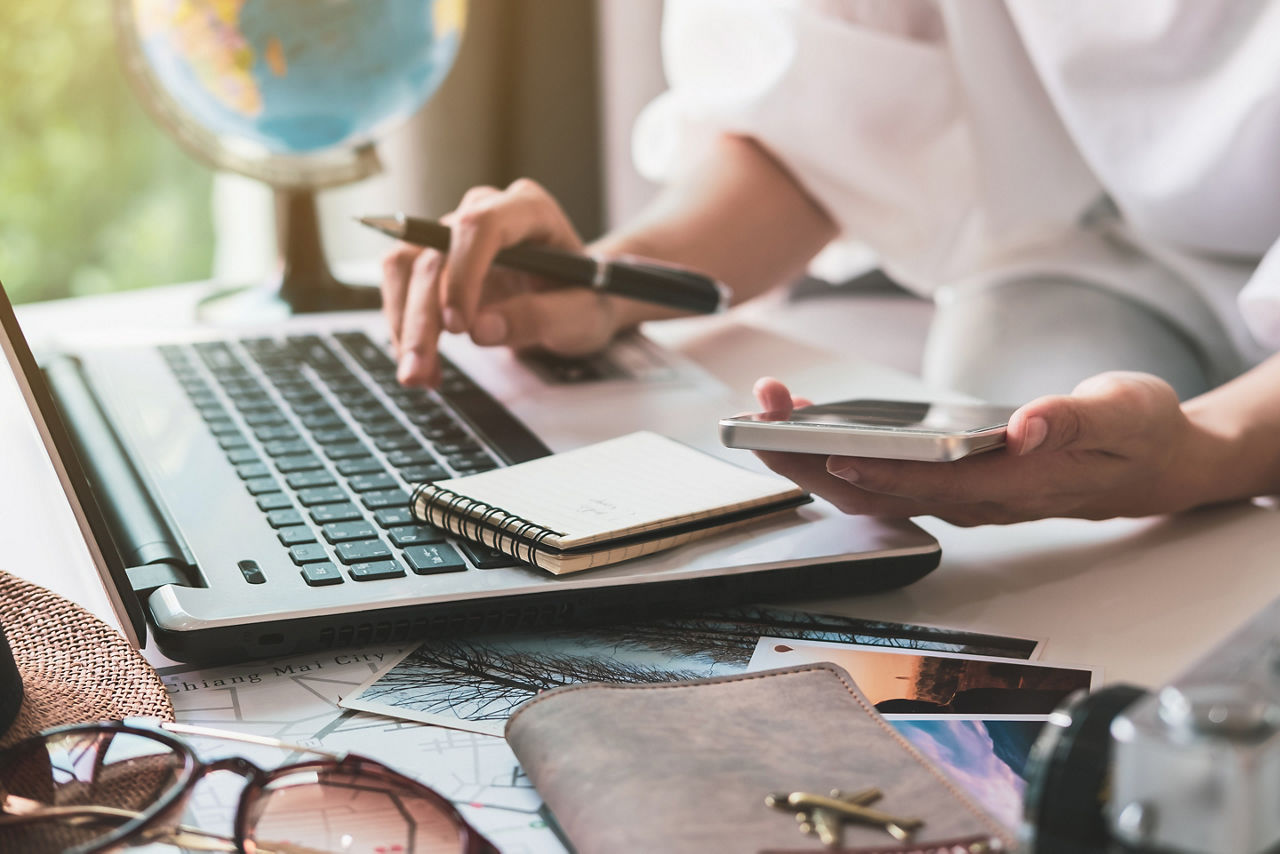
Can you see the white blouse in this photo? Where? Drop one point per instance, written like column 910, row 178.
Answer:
column 969, row 139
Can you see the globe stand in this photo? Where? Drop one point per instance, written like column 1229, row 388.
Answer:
column 305, row 284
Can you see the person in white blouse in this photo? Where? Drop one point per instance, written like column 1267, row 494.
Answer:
column 1089, row 190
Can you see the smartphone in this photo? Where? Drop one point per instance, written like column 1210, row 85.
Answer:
column 888, row 429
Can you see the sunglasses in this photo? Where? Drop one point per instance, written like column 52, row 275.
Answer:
column 104, row 786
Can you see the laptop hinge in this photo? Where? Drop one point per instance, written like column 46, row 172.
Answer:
column 146, row 578
column 140, row 533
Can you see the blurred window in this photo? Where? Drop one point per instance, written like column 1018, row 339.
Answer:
column 93, row 196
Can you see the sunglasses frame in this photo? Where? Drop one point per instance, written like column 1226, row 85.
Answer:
column 165, row 810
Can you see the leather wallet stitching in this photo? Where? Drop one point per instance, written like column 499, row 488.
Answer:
column 993, row 827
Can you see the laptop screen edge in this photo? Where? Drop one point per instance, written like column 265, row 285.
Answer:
column 57, row 442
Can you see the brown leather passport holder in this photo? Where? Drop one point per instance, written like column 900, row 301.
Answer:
column 686, row 766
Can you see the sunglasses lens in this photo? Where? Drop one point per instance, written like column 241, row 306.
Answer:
column 81, row 787
column 335, row 811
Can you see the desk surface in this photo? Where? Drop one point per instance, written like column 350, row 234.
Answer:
column 1140, row 598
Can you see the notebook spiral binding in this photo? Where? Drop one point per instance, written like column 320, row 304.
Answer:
column 471, row 519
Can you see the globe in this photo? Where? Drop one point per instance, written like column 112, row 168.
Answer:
column 292, row 92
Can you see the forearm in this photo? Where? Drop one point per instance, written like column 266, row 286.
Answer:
column 1238, row 425
column 739, row 216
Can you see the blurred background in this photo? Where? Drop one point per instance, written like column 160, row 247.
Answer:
column 95, row 197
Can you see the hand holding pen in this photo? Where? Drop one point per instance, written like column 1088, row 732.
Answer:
column 543, row 290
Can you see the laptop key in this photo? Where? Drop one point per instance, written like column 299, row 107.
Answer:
column 359, row 465
column 296, row 535
column 422, row 474
column 367, row 353
column 343, row 511
column 457, row 446
column 248, row 471
column 262, row 417
column 420, row 457
column 223, row 427
column 341, row 532
column 321, row 495
column 317, row 405
column 471, row 463
column 284, row 518
column 234, row 439
column 403, row 536
column 268, row 501
column 286, row 448
column 384, row 498
column 321, row 574
column 309, row 479
column 486, row 558
column 428, row 560
column 272, row 432
column 298, row 462
column 390, row 517
column 371, row 482
column 402, row 441
column 308, row 553
column 372, row 414
column 260, row 485
column 385, row 428
column 333, row 436
column 243, row 455
column 346, row 451
column 362, row 550
column 374, row 570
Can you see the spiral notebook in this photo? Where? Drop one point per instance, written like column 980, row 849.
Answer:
column 604, row 503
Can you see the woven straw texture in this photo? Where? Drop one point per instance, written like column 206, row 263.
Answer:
column 75, row 668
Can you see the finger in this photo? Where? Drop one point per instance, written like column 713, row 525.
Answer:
column 397, row 267
column 976, row 480
column 476, row 195
column 1103, row 413
column 571, row 321
column 774, row 397
column 420, row 332
column 808, row 471
column 523, row 212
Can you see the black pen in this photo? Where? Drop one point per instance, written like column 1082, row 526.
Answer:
column 631, row 278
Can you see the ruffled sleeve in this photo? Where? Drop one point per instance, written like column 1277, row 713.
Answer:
column 855, row 99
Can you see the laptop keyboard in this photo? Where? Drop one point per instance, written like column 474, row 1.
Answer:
column 330, row 447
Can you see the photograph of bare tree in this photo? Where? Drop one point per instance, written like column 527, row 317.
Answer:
column 476, row 683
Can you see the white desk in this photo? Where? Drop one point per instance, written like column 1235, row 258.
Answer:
column 1140, row 598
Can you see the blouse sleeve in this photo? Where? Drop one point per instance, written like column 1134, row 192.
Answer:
column 855, row 99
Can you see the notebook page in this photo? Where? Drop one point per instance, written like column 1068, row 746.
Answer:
column 636, row 483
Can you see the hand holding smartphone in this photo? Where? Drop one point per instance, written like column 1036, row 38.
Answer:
column 886, row 429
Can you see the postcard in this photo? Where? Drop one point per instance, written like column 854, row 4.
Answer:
column 475, row 683
column 986, row 758
column 915, row 683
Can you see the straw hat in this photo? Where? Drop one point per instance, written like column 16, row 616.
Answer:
column 74, row 667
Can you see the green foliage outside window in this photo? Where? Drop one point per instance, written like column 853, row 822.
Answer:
column 93, row 196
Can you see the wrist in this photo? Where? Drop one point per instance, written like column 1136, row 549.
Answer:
column 1226, row 459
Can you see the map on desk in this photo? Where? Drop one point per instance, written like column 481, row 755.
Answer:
column 296, row 700
column 475, row 683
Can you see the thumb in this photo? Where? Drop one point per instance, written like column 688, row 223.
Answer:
column 1100, row 412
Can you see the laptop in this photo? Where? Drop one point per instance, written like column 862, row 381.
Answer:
column 245, row 494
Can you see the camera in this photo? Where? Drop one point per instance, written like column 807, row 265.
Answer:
column 1190, row 768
